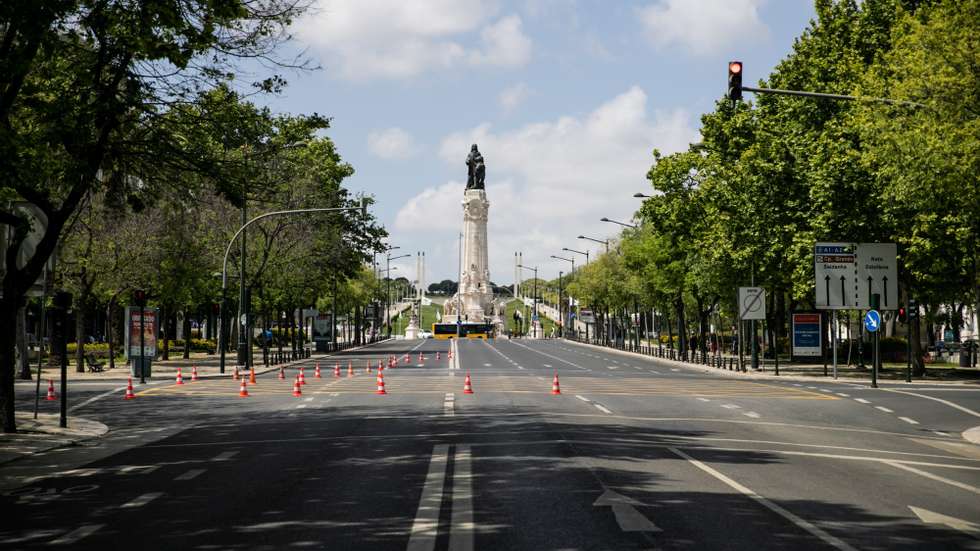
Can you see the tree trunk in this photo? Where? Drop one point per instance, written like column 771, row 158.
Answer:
column 110, row 331
column 80, row 334
column 8, row 319
column 22, row 364
column 681, row 325
column 918, row 366
column 358, row 324
column 187, row 335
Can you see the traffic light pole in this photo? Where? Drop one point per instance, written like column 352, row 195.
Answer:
column 800, row 93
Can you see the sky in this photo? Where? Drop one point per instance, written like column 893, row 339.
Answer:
column 567, row 99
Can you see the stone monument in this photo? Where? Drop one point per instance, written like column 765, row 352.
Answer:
column 473, row 302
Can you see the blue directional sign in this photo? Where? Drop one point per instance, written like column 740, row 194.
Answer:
column 872, row 321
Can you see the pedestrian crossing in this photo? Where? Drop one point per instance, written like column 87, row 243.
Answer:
column 405, row 381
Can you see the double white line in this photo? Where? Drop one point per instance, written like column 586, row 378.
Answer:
column 426, row 525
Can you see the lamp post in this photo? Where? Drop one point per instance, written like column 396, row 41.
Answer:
column 389, row 258
column 560, row 309
column 642, row 196
column 224, row 263
column 535, row 291
column 602, row 241
column 624, row 224
column 572, row 260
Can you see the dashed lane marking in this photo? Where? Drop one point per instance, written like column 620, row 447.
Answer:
column 461, row 527
column 583, row 398
column 191, row 474
column 425, row 527
column 225, row 456
column 704, row 399
column 862, row 400
column 77, row 534
column 883, row 408
column 842, row 395
column 731, row 406
column 751, row 414
column 449, row 405
column 602, row 408
column 909, row 421
column 141, row 500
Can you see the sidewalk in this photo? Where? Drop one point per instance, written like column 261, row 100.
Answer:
column 42, row 434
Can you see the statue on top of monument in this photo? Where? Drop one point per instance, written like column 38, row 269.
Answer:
column 477, row 170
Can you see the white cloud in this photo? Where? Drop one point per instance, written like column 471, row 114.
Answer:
column 364, row 39
column 513, row 96
column 548, row 182
column 392, row 143
column 702, row 26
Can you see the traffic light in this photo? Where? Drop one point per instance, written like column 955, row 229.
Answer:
column 913, row 313
column 215, row 308
column 139, row 297
column 734, row 80
column 902, row 315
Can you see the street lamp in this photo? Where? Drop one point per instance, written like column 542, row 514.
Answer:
column 642, row 196
column 586, row 253
column 535, row 291
column 603, row 241
column 572, row 260
column 389, row 258
column 624, row 224
column 224, row 263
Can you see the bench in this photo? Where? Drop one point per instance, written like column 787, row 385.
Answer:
column 94, row 366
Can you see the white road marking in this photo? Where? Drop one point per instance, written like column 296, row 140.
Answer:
column 612, row 367
column 72, row 537
column 674, row 369
column 842, row 395
column 941, row 401
column 862, row 400
column 731, row 406
column 225, row 456
column 141, row 500
column 883, row 408
column 797, row 384
column 546, row 365
column 704, row 399
column 805, row 525
column 940, row 433
column 462, row 527
column 826, row 390
column 583, row 398
column 519, row 367
column 143, row 469
column 751, row 414
column 812, row 387
column 307, row 399
column 301, row 406
column 909, row 421
column 191, row 474
column 94, row 398
column 425, row 527
column 636, row 367
column 655, row 372
column 935, row 477
column 487, row 365
column 449, row 405
column 602, row 408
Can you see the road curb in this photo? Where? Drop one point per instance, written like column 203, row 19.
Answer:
column 43, row 434
column 972, row 435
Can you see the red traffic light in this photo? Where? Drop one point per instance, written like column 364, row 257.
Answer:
column 734, row 80
column 735, row 66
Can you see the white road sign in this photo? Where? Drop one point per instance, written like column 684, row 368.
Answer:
column 877, row 273
column 751, row 303
column 835, row 265
column 847, row 274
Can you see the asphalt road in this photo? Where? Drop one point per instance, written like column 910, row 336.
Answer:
column 633, row 454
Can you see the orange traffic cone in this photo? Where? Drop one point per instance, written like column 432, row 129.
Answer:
column 180, row 378
column 350, row 369
column 243, row 389
column 317, row 371
column 302, row 377
column 282, row 374
column 129, row 390
column 381, row 384
column 51, row 397
column 336, row 370
column 251, row 375
column 467, row 384
column 194, row 378
column 297, row 388
column 555, row 388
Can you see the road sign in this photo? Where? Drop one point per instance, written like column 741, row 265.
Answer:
column 834, row 266
column 751, row 303
column 872, row 321
column 877, row 273
column 847, row 274
column 807, row 335
column 586, row 316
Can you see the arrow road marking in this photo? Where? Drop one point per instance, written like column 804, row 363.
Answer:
column 627, row 517
column 932, row 517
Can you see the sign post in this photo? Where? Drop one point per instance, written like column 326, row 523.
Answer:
column 752, row 306
column 872, row 322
